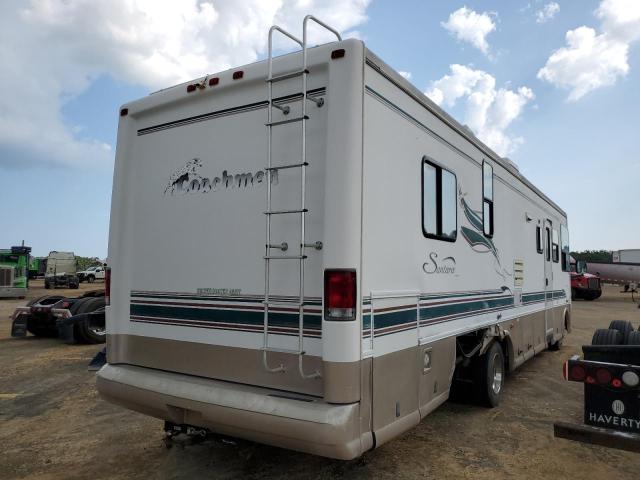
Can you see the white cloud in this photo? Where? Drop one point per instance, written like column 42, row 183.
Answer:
column 52, row 50
column 592, row 60
column 620, row 19
column 489, row 110
column 406, row 75
column 547, row 12
column 469, row 26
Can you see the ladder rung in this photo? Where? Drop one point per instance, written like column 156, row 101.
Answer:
column 292, row 165
column 282, row 212
column 290, row 120
column 286, row 76
column 285, row 257
column 283, row 350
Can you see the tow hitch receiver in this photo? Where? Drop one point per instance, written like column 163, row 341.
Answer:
column 184, row 434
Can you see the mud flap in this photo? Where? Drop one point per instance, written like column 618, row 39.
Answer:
column 65, row 327
column 98, row 361
column 19, row 326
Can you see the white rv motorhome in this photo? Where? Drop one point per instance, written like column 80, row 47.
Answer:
column 307, row 252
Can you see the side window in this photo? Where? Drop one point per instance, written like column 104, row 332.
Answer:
column 539, row 247
column 487, row 199
column 564, row 243
column 439, row 206
column 555, row 248
column 548, row 244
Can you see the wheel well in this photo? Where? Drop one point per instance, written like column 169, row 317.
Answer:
column 507, row 348
column 567, row 320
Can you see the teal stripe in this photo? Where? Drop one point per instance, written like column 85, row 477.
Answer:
column 390, row 319
column 239, row 317
column 533, row 297
column 366, row 321
column 430, row 313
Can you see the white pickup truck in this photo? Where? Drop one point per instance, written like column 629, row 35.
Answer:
column 92, row 274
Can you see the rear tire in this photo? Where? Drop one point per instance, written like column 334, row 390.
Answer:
column 605, row 336
column 40, row 299
column 489, row 376
column 633, row 338
column 574, row 295
column 623, row 326
column 86, row 332
column 91, row 279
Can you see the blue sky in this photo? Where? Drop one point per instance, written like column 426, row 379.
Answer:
column 571, row 128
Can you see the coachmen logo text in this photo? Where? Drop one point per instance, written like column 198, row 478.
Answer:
column 187, row 179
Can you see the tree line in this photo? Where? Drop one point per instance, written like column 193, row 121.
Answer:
column 594, row 255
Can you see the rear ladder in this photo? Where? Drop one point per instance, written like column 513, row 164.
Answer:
column 302, row 210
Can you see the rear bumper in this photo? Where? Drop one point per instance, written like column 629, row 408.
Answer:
column 297, row 422
column 13, row 292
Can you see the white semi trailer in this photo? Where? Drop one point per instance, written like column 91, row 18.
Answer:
column 631, row 255
column 307, row 252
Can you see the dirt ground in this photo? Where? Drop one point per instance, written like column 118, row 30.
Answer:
column 53, row 425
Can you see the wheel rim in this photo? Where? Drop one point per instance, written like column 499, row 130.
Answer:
column 97, row 328
column 497, row 370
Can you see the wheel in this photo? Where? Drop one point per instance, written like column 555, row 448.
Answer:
column 623, row 326
column 91, row 278
column 489, row 376
column 52, row 299
column 574, row 295
column 633, row 338
column 589, row 296
column 605, row 336
column 47, row 285
column 91, row 331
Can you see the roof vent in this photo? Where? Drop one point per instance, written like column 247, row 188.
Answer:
column 511, row 163
column 467, row 129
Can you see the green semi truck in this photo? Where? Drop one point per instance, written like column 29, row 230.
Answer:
column 14, row 268
column 37, row 267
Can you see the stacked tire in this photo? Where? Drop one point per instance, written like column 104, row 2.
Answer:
column 620, row 332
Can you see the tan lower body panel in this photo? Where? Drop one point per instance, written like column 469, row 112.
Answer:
column 527, row 335
column 295, row 422
column 233, row 364
column 378, row 398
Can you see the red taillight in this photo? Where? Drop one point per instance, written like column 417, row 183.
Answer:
column 191, row 88
column 603, row 376
column 124, row 112
column 340, row 294
column 107, row 285
column 616, row 383
column 337, row 53
column 590, row 379
column 577, row 373
column 214, row 81
column 66, row 304
column 238, row 75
